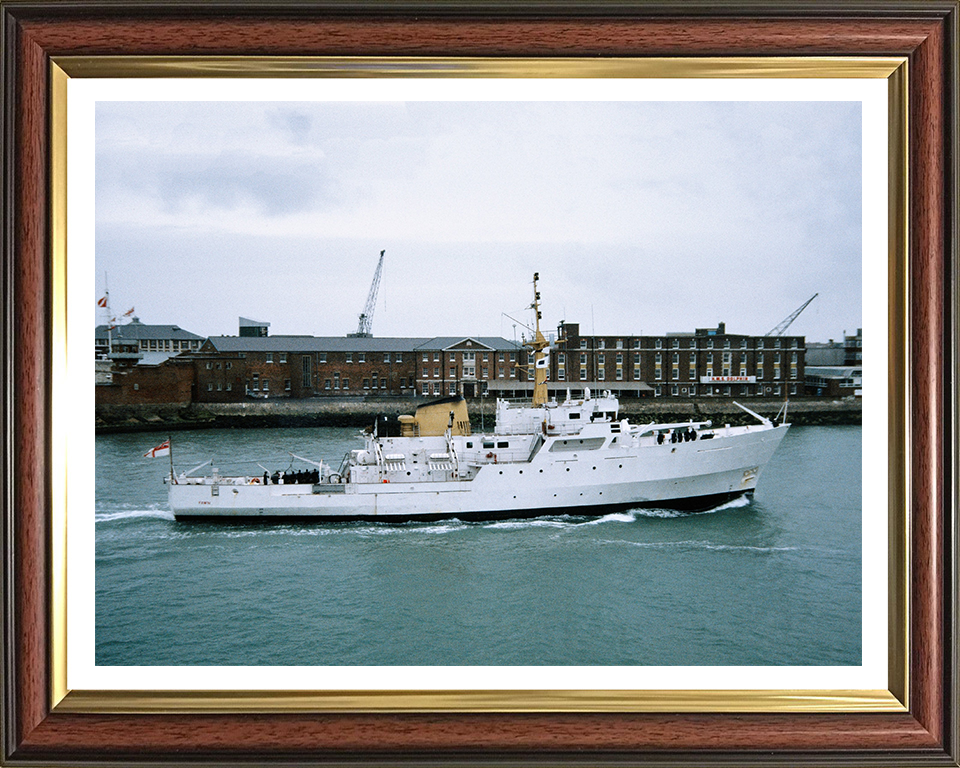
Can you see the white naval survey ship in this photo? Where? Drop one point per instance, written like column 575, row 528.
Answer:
column 545, row 457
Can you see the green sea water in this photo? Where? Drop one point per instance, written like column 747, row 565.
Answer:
column 775, row 580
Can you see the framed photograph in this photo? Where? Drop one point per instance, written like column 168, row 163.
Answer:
column 85, row 83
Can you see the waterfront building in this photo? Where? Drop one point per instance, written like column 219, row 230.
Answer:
column 470, row 366
column 142, row 343
column 825, row 353
column 834, row 381
column 232, row 368
column 853, row 348
column 708, row 362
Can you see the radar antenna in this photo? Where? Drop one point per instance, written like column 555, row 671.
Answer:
column 787, row 321
column 365, row 328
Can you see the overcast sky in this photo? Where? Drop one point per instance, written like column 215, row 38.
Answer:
column 641, row 217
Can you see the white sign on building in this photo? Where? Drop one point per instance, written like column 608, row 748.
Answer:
column 728, row 379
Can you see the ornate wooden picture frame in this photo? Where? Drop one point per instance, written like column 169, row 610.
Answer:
column 42, row 724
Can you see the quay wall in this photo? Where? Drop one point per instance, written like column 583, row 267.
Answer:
column 326, row 412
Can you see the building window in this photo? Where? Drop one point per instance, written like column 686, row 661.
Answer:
column 283, row 357
column 658, row 344
column 600, row 374
column 726, row 343
column 486, row 373
column 636, row 343
column 399, row 357
column 453, row 388
column 793, row 389
column 266, row 385
column 256, row 382
column 583, row 343
column 228, row 366
column 346, row 383
column 709, row 371
column 500, row 371
column 229, row 387
column 136, row 387
column 561, row 359
column 776, row 372
column 425, row 373
column 336, row 380
column 709, row 343
column 619, row 343
column 425, row 387
column 561, row 375
column 453, row 373
column 386, row 357
column 323, row 357
column 209, row 366
column 210, row 387
column 286, row 385
column 759, row 371
column 436, row 357
column 349, row 358
column 693, row 373
column 675, row 372
column 583, row 374
column 636, row 373
column 674, row 390
column 658, row 373
column 269, row 357
column 601, row 359
column 305, row 370
column 657, row 391
column 366, row 383
column 601, row 343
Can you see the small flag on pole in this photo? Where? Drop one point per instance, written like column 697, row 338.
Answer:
column 128, row 312
column 161, row 450
column 102, row 302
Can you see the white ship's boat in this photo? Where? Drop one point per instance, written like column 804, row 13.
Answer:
column 575, row 457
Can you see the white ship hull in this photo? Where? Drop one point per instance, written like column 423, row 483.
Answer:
column 597, row 470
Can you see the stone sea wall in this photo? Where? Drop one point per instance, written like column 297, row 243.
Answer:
column 328, row 412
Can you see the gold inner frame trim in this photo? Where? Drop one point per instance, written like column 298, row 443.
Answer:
column 892, row 69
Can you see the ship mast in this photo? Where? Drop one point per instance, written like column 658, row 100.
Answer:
column 538, row 344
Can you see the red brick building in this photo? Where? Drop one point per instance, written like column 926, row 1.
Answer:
column 707, row 362
column 169, row 383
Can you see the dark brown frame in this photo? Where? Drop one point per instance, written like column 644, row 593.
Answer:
column 925, row 32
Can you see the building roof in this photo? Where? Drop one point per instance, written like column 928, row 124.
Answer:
column 446, row 342
column 833, row 371
column 313, row 344
column 137, row 330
